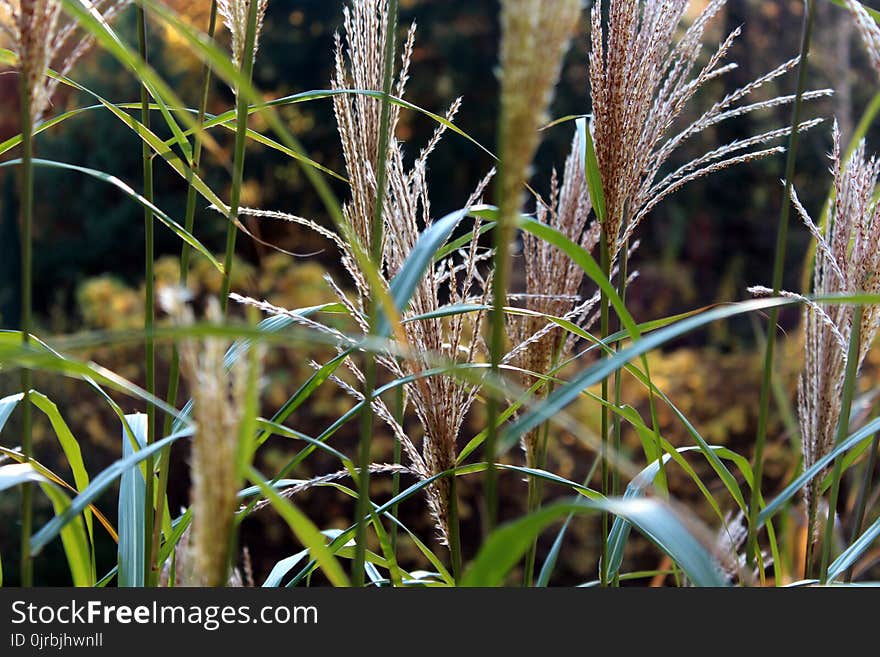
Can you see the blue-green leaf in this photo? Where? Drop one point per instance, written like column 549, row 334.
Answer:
column 132, row 505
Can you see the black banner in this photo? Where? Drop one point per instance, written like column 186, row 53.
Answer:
column 162, row 622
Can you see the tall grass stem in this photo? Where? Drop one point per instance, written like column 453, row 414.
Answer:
column 849, row 387
column 149, row 301
column 778, row 270
column 185, row 253
column 535, row 494
column 617, row 427
column 604, row 330
column 241, row 123
column 27, row 220
column 862, row 499
column 397, row 457
column 376, row 237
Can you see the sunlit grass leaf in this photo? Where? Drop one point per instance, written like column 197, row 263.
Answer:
column 69, row 444
column 132, row 505
column 849, row 555
column 507, row 545
column 280, row 569
column 304, row 530
column 175, row 227
column 227, row 119
column 92, row 21
column 619, row 533
column 553, row 554
column 41, row 469
column 98, row 485
column 591, row 169
column 866, row 433
column 36, row 355
column 73, row 537
column 220, row 62
column 563, row 395
column 404, row 284
column 7, row 406
column 18, row 473
column 72, row 452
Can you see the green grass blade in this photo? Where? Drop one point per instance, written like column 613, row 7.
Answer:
column 553, row 555
column 304, row 530
column 7, row 406
column 132, row 194
column 565, row 394
column 73, row 454
column 73, row 538
column 98, row 485
column 17, row 474
column 69, row 444
column 420, row 258
column 92, row 21
column 619, row 533
column 848, row 557
column 41, row 357
column 227, row 119
column 591, row 164
column 280, row 569
column 132, row 505
column 865, row 434
column 506, row 546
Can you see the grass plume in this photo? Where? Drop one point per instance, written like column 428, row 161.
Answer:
column 847, row 261
column 218, row 395
column 643, row 73
column 535, row 37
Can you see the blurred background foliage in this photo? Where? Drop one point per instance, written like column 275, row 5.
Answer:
column 704, row 245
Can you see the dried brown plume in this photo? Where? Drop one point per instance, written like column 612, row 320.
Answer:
column 643, row 72
column 43, row 38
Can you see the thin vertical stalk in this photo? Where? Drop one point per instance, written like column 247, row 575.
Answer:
column 27, row 220
column 507, row 204
column 862, row 499
column 364, row 443
column 849, row 387
column 192, row 193
column 617, row 428
column 535, row 493
column 808, row 552
column 604, row 330
column 503, row 235
column 454, row 528
column 246, row 447
column 185, row 253
column 398, row 454
column 149, row 301
column 376, row 237
column 778, row 269
column 241, row 122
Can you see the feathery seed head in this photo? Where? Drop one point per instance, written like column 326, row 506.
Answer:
column 534, row 39
column 218, row 395
column 641, row 77
column 440, row 402
column 360, row 65
column 41, row 38
column 847, row 261
column 730, row 541
column 868, row 30
column 235, row 17
column 552, row 279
